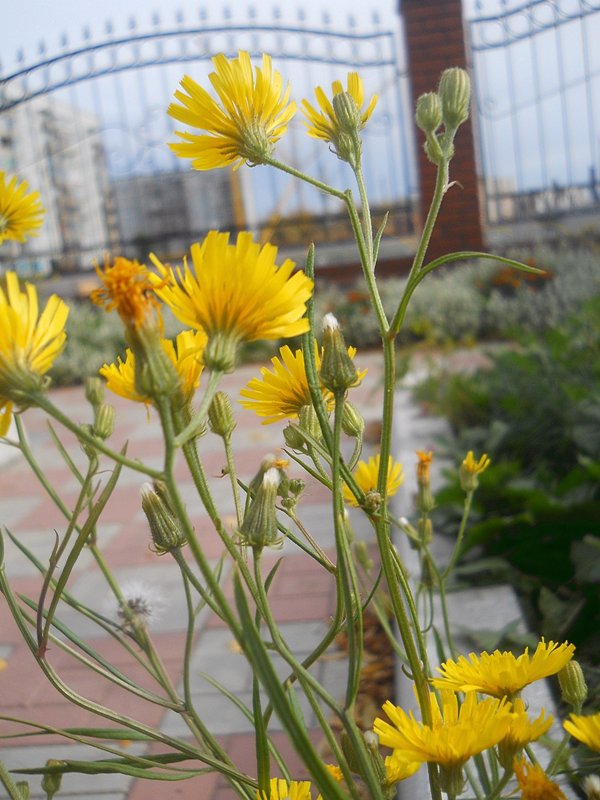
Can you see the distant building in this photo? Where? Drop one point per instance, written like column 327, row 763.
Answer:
column 58, row 149
column 166, row 212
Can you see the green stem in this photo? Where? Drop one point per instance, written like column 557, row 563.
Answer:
column 441, row 185
column 233, row 480
column 497, row 790
column 41, row 401
column 197, row 422
column 461, row 534
column 9, row 784
column 324, row 187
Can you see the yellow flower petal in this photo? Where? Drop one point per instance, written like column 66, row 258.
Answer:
column 236, row 289
column 456, row 734
column 366, row 474
column 502, row 673
column 586, row 729
column 29, row 343
column 253, row 113
column 21, row 213
column 534, row 784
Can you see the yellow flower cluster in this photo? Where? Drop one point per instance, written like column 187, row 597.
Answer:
column 29, row 343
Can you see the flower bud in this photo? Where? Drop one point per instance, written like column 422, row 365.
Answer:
column 373, row 501
column 352, row 422
column 425, row 530
column 347, row 113
column 361, row 554
column 52, row 780
column 452, row 779
column 434, row 151
column 470, row 469
column 309, row 422
column 269, row 462
column 94, row 391
column 455, row 93
column 259, row 527
column 104, row 424
column 572, row 683
column 165, row 528
column 220, row 415
column 428, row 114
column 338, row 372
column 293, row 437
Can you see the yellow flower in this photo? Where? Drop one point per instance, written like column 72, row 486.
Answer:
column 282, row 392
column 456, row 733
column 28, row 345
column 344, row 116
column 185, row 355
column 475, row 467
column 501, row 673
column 126, row 288
column 534, row 783
column 253, row 114
column 20, row 213
column 521, row 732
column 586, row 729
column 399, row 768
column 366, row 474
column 282, row 790
column 236, row 291
column 335, row 772
column 424, row 465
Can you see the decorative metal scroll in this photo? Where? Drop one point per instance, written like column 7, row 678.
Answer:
column 88, row 127
column 537, row 77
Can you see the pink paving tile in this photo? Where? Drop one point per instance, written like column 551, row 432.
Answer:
column 201, row 787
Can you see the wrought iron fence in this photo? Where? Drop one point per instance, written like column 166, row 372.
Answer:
column 537, row 79
column 88, row 128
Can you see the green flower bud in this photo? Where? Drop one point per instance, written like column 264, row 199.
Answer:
column 338, row 372
column 455, row 93
column 259, row 527
column 361, row 554
column 269, row 462
column 52, row 780
column 94, row 391
column 309, row 422
column 104, row 423
column 425, row 529
column 293, row 437
column 165, row 528
column 220, row 415
column 373, row 501
column 352, row 422
column 452, row 780
column 433, row 149
column 572, row 684
column 296, row 486
column 154, row 372
column 347, row 113
column 428, row 114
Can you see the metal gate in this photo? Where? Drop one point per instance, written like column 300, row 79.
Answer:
column 88, row 128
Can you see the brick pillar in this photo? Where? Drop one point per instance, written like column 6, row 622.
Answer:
column 435, row 40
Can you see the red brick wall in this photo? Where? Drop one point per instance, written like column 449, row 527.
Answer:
column 435, row 40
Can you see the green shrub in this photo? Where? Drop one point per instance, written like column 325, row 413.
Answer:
column 536, row 412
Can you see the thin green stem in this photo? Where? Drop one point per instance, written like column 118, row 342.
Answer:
column 324, row 187
column 233, row 480
column 42, row 401
column 461, row 534
column 9, row 784
column 198, row 420
column 441, row 185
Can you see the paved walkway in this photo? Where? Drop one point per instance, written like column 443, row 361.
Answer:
column 302, row 593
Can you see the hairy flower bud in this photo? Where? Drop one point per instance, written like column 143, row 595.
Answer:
column 104, row 424
column 455, row 93
column 52, row 780
column 572, row 683
column 309, row 422
column 24, row 790
column 338, row 372
column 165, row 528
column 352, row 422
column 220, row 353
column 428, row 114
column 94, row 391
column 293, row 437
column 220, row 415
column 259, row 526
